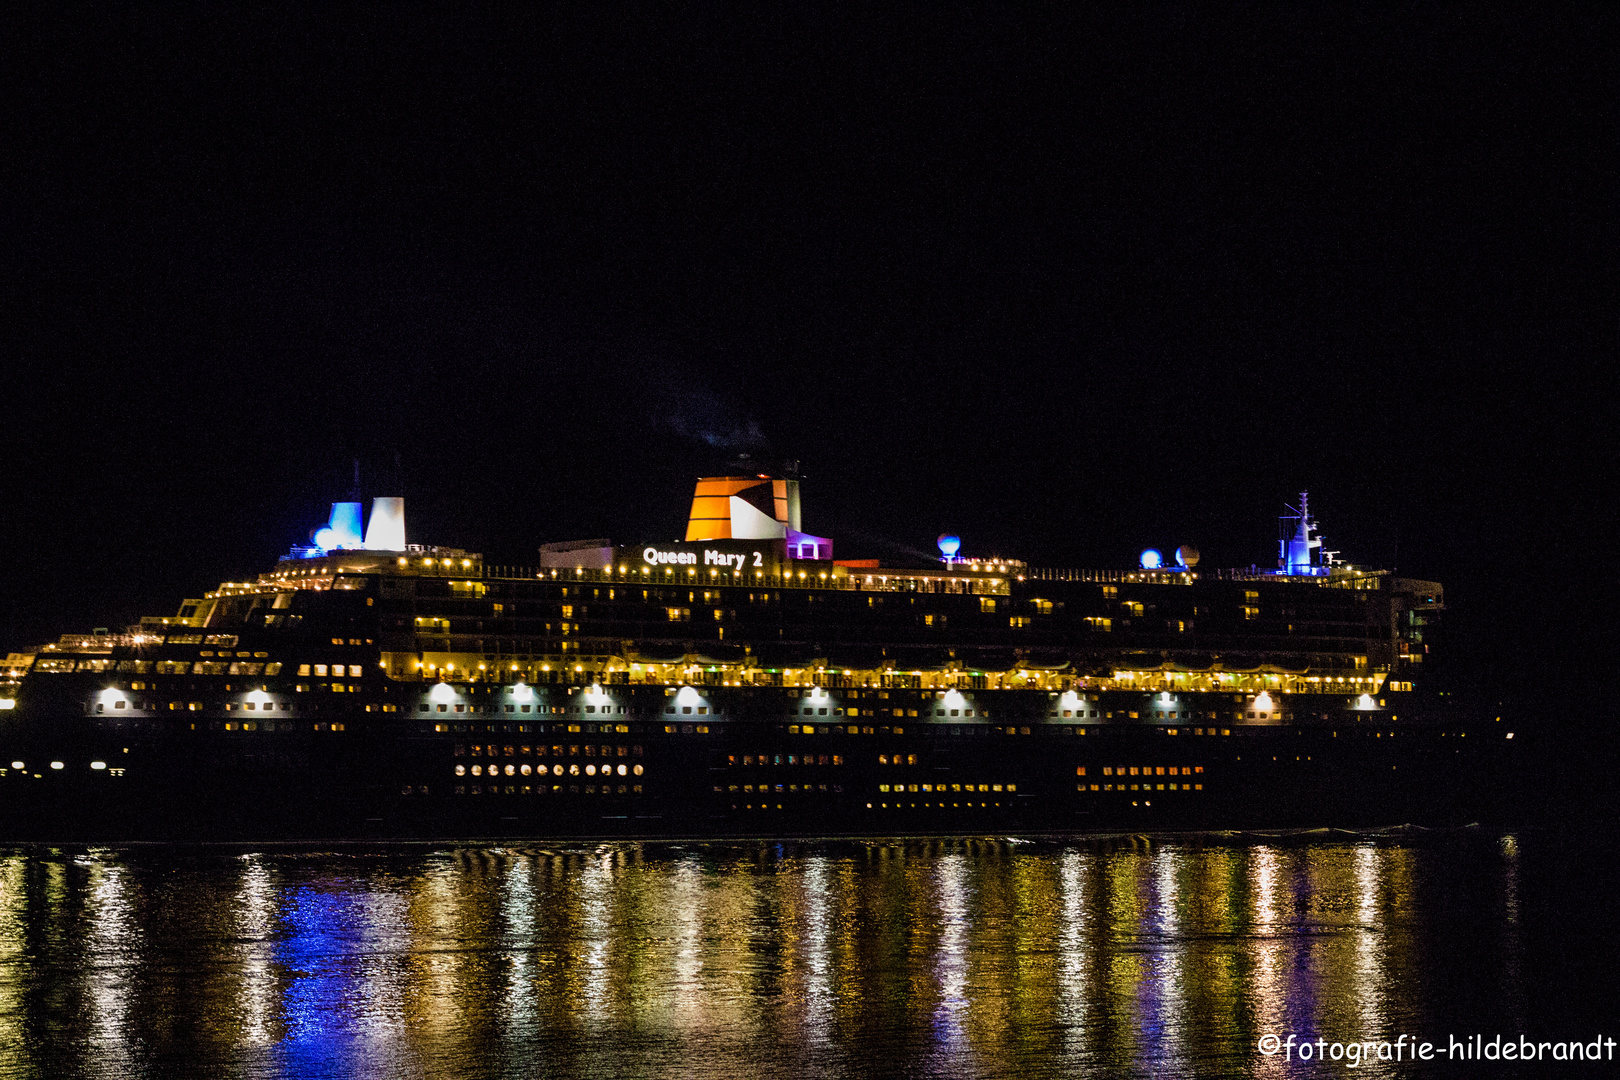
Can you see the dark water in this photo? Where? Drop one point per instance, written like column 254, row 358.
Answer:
column 1128, row 956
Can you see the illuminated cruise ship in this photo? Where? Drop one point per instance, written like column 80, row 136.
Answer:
column 743, row 681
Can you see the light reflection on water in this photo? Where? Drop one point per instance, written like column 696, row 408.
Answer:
column 941, row 958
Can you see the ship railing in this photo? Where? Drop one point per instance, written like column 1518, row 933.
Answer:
column 1337, row 579
column 1346, row 579
column 879, row 581
column 1109, row 577
column 101, row 643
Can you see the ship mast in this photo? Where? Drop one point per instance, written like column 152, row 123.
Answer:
column 1296, row 556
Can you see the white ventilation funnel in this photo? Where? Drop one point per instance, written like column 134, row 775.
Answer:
column 386, row 530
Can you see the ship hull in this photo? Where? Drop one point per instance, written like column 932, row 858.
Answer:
column 168, row 782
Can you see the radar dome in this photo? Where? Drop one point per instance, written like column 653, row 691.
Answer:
column 949, row 545
column 1187, row 555
column 1152, row 559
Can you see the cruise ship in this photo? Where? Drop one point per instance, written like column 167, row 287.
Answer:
column 745, row 681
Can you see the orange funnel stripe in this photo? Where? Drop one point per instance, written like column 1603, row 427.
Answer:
column 711, row 506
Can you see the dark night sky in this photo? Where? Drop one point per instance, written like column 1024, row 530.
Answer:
column 1069, row 286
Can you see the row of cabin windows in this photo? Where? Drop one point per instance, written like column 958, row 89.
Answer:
column 927, row 789
column 749, row 760
column 939, row 789
column 622, row 729
column 781, row 789
column 268, row 725
column 811, row 729
column 573, row 750
column 541, row 789
column 1146, row 770
column 215, row 667
column 896, row 712
column 197, row 706
column 556, row 770
column 558, row 710
column 1139, row 787
column 1189, row 714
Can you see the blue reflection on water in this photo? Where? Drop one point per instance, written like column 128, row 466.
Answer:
column 341, row 1009
column 318, row 928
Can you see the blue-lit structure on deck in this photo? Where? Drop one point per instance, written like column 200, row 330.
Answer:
column 1301, row 555
column 343, row 530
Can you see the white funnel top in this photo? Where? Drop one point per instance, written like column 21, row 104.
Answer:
column 386, row 530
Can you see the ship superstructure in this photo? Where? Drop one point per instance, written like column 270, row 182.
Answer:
column 369, row 686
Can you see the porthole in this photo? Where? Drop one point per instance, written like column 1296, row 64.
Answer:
column 636, row 770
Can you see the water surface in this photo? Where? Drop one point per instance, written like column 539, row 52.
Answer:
column 1125, row 956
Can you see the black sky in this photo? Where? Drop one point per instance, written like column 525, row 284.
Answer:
column 1068, row 284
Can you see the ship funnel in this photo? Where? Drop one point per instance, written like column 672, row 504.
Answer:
column 342, row 529
column 386, row 530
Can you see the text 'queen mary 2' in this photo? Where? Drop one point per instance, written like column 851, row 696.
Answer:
column 743, row 681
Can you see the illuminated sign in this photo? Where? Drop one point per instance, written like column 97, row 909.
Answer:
column 725, row 560
column 750, row 557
